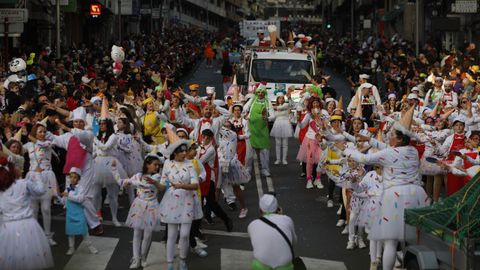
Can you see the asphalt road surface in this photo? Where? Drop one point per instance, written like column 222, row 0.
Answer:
column 319, row 240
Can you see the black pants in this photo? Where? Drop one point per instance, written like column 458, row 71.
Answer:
column 213, row 206
column 194, row 232
column 314, row 170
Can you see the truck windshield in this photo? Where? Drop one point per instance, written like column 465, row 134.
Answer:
column 281, row 71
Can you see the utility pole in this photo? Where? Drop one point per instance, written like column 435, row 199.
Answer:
column 59, row 51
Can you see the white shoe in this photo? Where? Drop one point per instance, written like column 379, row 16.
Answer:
column 340, row 223
column 51, row 242
column 309, row 184
column 92, row 249
column 329, row 203
column 345, row 230
column 116, row 223
column 199, row 251
column 243, row 213
column 143, row 262
column 70, row 251
column 200, row 243
column 284, row 162
column 135, row 263
column 350, row 245
column 265, row 173
column 361, row 243
column 318, row 184
column 277, row 162
column 339, row 211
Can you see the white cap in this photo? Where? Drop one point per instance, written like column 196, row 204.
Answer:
column 76, row 170
column 459, row 118
column 366, row 85
column 268, row 203
column 392, row 95
column 415, row 89
column 95, row 99
column 210, row 90
column 86, row 80
column 327, row 100
column 79, row 114
column 412, row 96
column 300, row 36
column 364, row 76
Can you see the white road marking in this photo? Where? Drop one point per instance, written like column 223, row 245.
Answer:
column 211, row 232
column 83, row 259
column 234, row 259
column 270, row 184
column 157, row 257
column 258, row 178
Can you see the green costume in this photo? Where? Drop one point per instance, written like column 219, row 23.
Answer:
column 259, row 134
column 257, row 265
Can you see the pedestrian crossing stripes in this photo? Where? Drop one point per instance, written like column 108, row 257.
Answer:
column 230, row 259
column 83, row 259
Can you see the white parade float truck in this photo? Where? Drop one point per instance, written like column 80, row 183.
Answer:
column 278, row 67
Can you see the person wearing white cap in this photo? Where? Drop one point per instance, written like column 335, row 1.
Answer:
column 368, row 95
column 270, row 248
column 435, row 93
column 449, row 96
column 402, row 185
column 40, row 155
column 452, row 144
column 79, row 145
column 75, row 223
column 207, row 120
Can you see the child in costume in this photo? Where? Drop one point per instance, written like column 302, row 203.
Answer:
column 143, row 216
column 75, row 219
column 23, row 243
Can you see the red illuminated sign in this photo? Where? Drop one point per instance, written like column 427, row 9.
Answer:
column 95, row 10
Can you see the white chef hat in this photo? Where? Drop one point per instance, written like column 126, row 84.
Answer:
column 76, row 170
column 210, row 90
column 268, row 203
column 79, row 114
column 412, row 96
column 364, row 76
column 366, row 85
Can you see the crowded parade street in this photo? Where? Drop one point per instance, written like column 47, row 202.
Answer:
column 239, row 134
